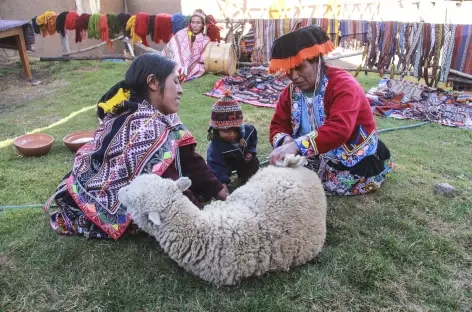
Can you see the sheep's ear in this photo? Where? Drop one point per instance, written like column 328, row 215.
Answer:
column 154, row 218
column 183, row 183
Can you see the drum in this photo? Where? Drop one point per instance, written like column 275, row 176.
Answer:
column 220, row 58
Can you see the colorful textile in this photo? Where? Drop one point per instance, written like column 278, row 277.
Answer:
column 447, row 50
column 344, row 183
column 462, row 55
column 350, row 124
column 187, row 55
column 353, row 34
column 348, row 158
column 68, row 219
column 407, row 100
column 226, row 113
column 131, row 143
column 252, row 86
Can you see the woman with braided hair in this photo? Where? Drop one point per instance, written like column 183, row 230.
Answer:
column 324, row 114
column 141, row 133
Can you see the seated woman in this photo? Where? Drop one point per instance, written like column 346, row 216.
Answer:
column 324, row 115
column 140, row 135
column 186, row 47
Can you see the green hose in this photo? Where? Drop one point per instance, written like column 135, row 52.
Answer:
column 405, row 127
column 262, row 164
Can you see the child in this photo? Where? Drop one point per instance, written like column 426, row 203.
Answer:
column 233, row 144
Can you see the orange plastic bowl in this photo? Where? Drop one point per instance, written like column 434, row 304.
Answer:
column 76, row 140
column 36, row 144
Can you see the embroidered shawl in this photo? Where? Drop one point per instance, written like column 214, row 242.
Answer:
column 123, row 147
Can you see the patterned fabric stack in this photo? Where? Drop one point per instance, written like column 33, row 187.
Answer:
column 407, row 100
column 10, row 43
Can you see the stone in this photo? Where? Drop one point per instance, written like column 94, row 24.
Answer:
column 445, row 189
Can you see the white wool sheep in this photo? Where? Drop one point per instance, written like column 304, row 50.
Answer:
column 277, row 220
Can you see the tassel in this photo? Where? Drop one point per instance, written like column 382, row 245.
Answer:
column 131, row 26
column 81, row 26
column 141, row 26
column 51, row 25
column 114, row 25
column 93, row 32
column 103, row 29
column 213, row 33
column 178, row 22
column 71, row 19
column 124, row 17
column 151, row 28
column 163, row 28
column 36, row 28
column 60, row 23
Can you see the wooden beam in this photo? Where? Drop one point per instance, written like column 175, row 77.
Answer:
column 461, row 74
column 92, row 47
column 10, row 32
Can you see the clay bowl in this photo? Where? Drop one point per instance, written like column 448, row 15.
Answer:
column 76, row 140
column 36, row 144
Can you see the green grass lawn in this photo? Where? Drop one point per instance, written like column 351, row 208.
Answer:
column 403, row 248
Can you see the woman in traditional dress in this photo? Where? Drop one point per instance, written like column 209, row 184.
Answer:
column 186, row 47
column 324, row 114
column 142, row 134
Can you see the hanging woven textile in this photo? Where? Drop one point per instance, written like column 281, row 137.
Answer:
column 462, row 55
column 258, row 52
column 436, row 55
column 447, row 51
column 353, row 34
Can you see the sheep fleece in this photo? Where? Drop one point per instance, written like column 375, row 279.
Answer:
column 274, row 222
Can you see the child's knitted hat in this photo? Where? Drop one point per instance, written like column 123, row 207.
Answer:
column 226, row 113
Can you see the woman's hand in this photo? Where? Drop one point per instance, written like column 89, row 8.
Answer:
column 223, row 193
column 278, row 154
column 287, row 140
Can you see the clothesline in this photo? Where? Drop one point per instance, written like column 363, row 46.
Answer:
column 160, row 27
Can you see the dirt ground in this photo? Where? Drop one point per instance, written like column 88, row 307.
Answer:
column 16, row 90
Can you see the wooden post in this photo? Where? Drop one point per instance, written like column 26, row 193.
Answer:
column 20, row 42
column 65, row 45
column 91, row 47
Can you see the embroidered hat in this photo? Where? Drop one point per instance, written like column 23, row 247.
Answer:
column 226, row 113
column 199, row 13
column 290, row 50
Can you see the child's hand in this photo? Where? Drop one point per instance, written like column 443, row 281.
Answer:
column 248, row 157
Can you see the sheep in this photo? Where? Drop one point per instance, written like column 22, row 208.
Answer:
column 276, row 221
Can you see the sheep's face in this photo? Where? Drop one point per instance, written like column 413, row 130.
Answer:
column 149, row 195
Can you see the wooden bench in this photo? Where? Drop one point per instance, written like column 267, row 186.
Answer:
column 17, row 33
